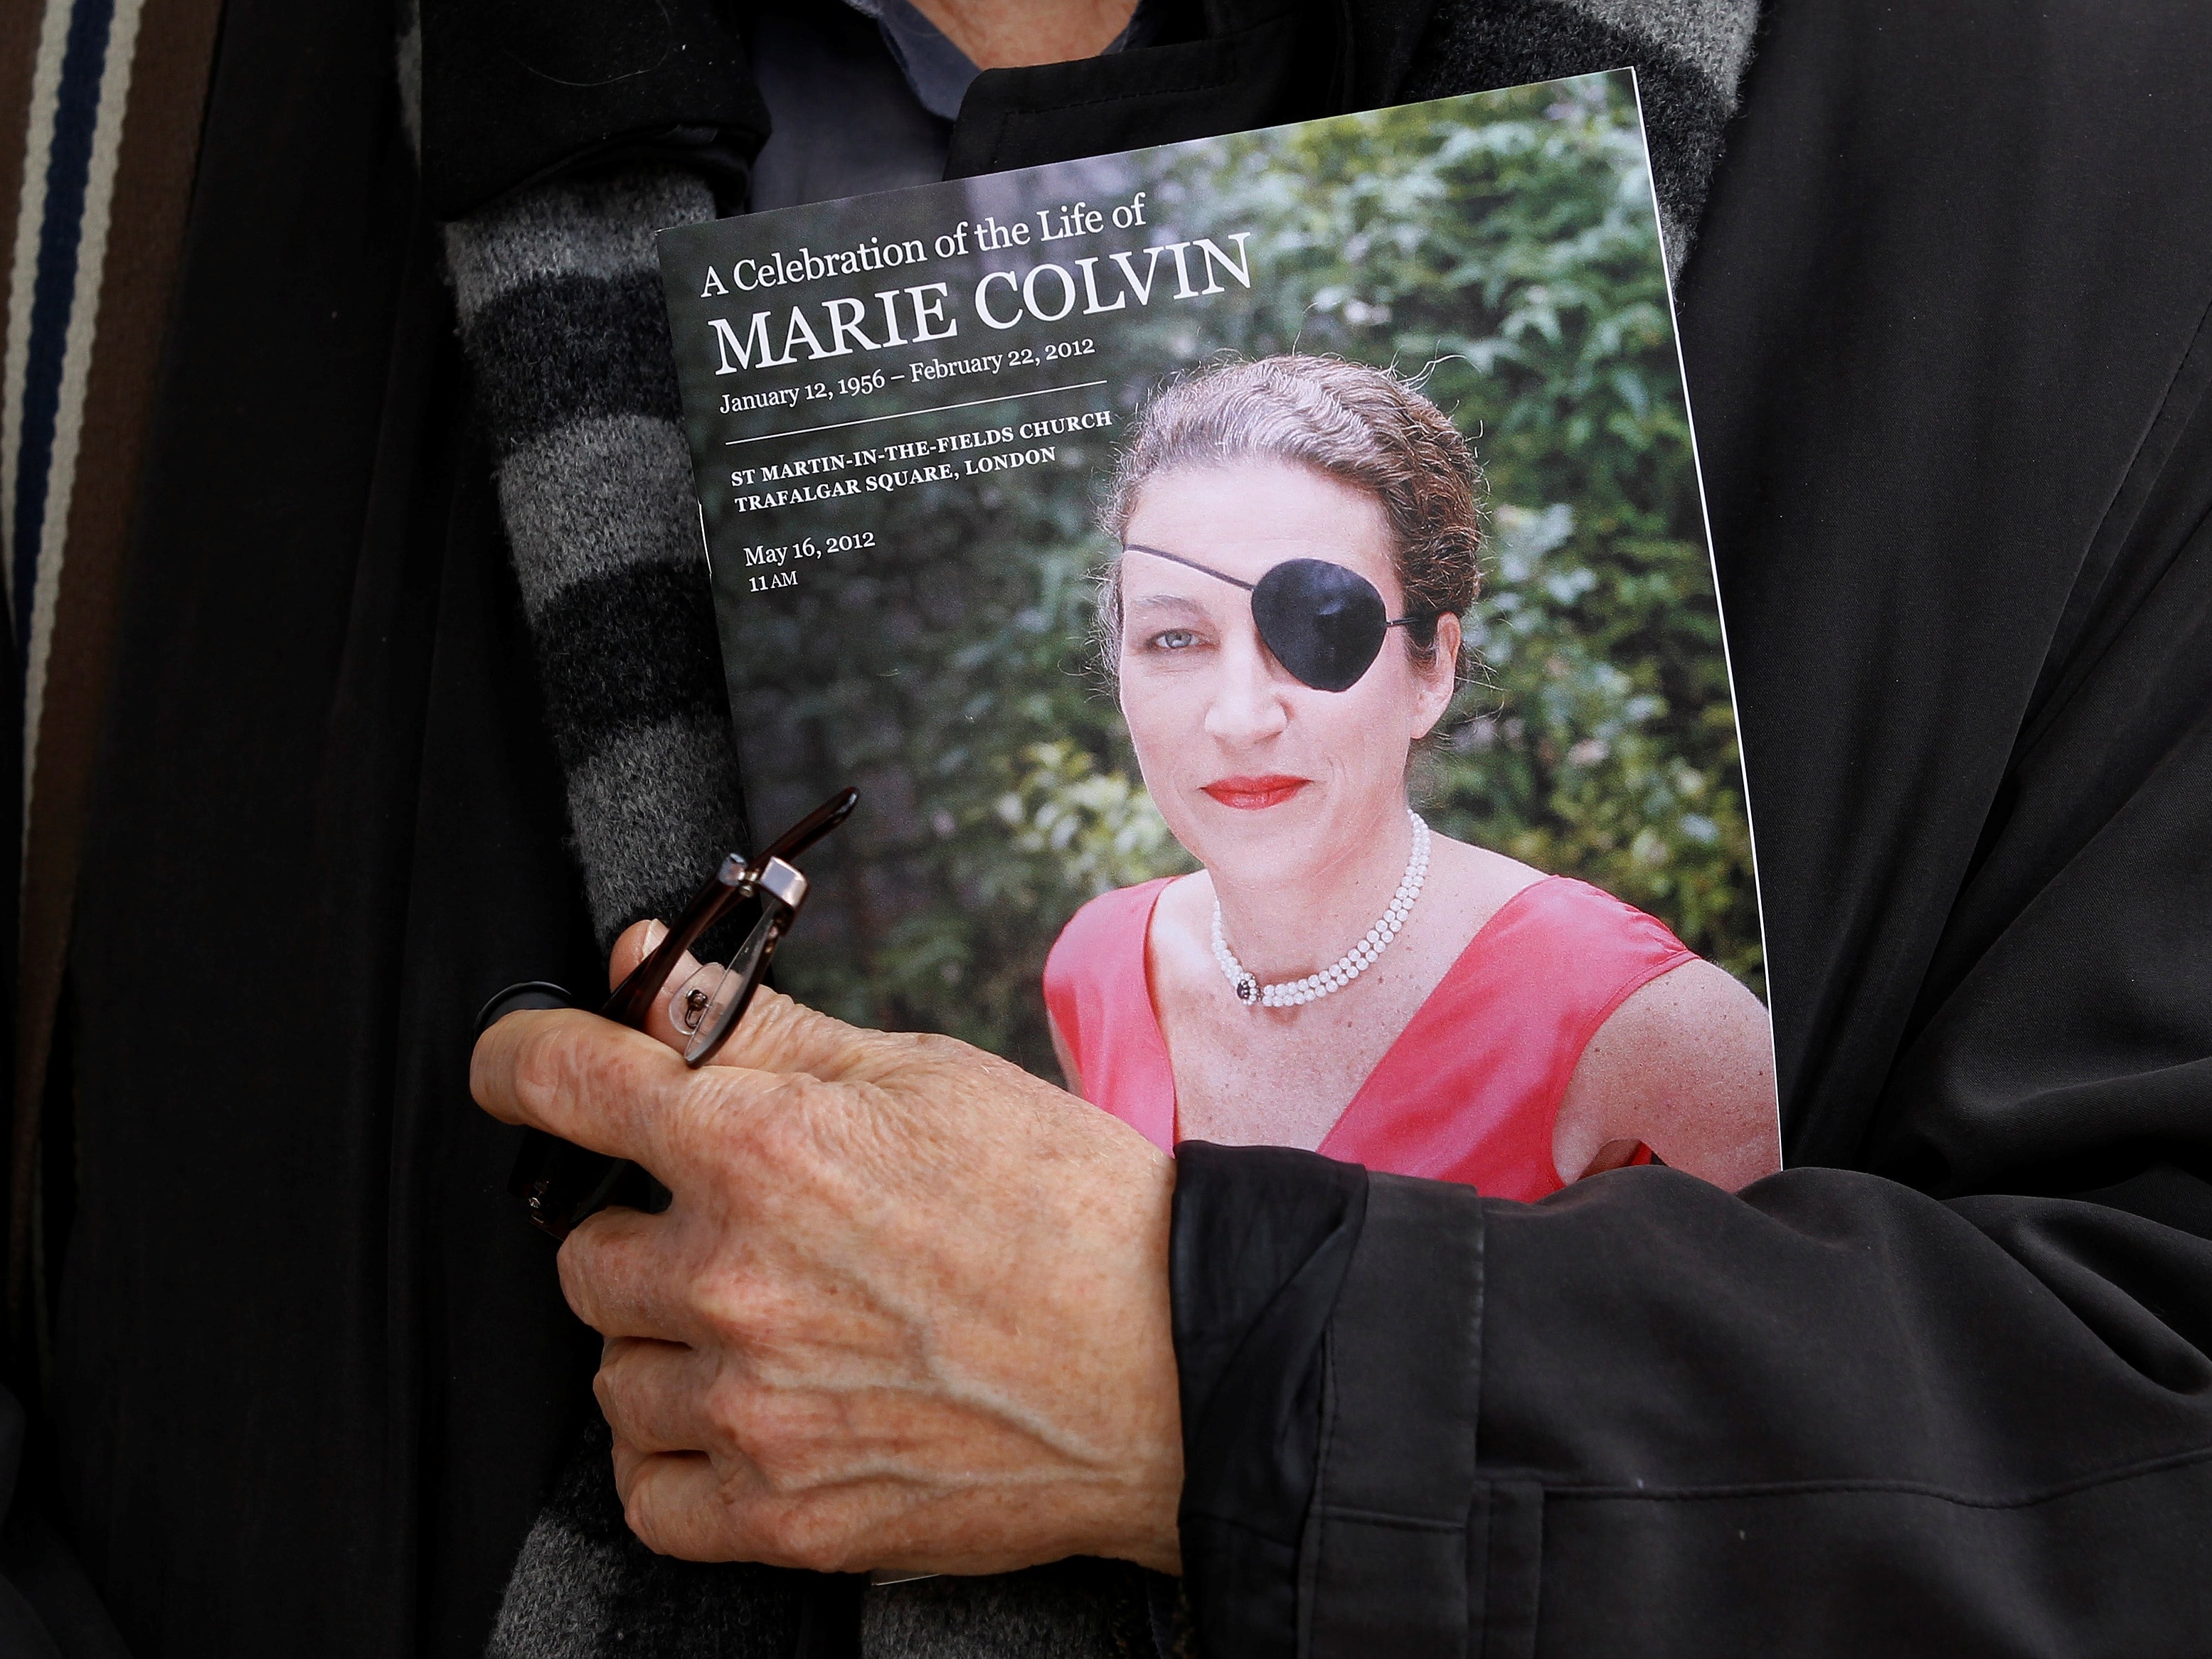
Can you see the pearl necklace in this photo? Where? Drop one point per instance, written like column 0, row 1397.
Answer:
column 1346, row 967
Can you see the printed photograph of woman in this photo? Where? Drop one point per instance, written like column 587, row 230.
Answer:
column 1300, row 538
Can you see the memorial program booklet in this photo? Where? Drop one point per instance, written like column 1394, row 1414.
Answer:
column 1113, row 522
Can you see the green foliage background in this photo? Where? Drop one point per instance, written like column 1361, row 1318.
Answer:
column 1514, row 261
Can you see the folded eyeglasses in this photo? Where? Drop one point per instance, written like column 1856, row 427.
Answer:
column 559, row 1182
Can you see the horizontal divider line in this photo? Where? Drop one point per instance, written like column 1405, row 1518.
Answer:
column 904, row 414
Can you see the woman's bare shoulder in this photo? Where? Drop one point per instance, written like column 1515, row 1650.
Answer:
column 1185, row 905
column 1475, row 881
column 1685, row 1065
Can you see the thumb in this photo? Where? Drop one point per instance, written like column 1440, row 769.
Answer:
column 637, row 942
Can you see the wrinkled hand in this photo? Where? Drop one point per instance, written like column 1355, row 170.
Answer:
column 908, row 1308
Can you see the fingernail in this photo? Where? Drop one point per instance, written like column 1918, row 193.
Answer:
column 654, row 933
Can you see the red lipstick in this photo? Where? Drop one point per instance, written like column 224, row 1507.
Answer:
column 1253, row 794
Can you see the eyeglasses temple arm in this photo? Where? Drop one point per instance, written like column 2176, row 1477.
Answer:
column 812, row 828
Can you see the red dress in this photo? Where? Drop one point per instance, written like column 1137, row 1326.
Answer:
column 1470, row 1089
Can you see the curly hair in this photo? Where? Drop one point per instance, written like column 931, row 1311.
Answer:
column 1367, row 428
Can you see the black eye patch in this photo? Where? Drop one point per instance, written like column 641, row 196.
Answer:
column 1324, row 623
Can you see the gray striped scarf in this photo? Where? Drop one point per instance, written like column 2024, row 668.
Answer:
column 561, row 323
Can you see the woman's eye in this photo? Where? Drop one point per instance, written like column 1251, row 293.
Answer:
column 1174, row 639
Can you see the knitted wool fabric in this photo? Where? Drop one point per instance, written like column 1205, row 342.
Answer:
column 558, row 290
column 1689, row 57
column 563, row 325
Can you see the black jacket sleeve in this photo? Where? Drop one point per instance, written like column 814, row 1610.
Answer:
column 1945, row 1386
column 510, row 94
column 1829, row 1417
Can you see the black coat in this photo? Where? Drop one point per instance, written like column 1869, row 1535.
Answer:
column 1944, row 1387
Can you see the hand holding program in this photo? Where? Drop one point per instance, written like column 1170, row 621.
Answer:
column 907, row 1310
